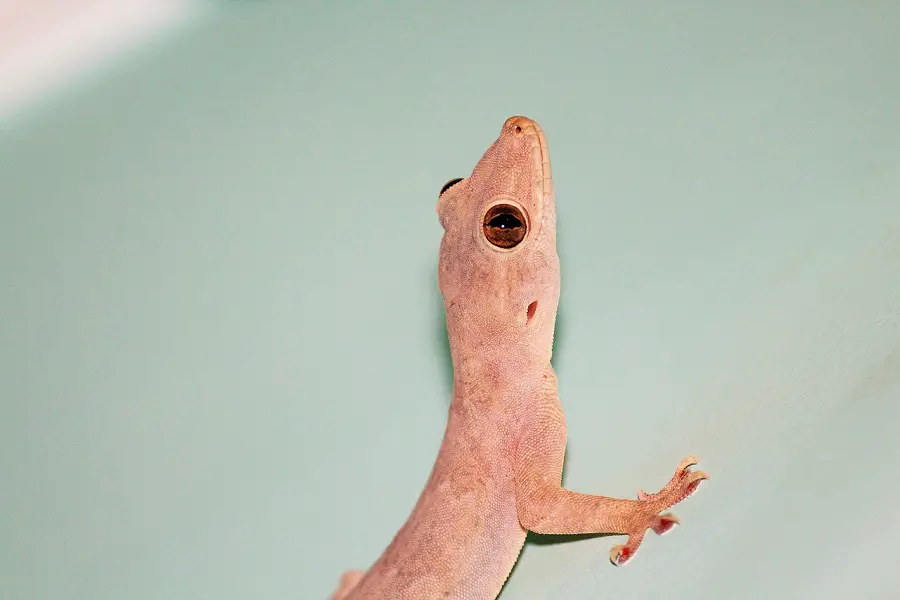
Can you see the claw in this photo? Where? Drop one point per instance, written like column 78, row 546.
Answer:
column 688, row 462
column 664, row 523
column 698, row 475
column 694, row 481
column 642, row 495
column 619, row 555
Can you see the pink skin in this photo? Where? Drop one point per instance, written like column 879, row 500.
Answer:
column 498, row 472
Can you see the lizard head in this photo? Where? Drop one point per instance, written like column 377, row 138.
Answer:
column 498, row 268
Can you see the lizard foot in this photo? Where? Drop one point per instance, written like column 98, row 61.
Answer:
column 684, row 483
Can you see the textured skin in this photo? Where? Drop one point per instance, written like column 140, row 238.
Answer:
column 499, row 469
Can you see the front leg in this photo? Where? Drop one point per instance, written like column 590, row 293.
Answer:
column 544, row 506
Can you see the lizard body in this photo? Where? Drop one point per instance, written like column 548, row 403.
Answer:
column 498, row 472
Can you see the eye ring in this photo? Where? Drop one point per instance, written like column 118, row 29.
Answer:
column 504, row 226
column 449, row 185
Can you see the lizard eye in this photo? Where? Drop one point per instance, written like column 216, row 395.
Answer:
column 504, row 226
column 449, row 185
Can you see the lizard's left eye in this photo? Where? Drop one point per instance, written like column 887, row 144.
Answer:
column 504, row 226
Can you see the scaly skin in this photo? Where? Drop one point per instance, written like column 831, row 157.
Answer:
column 499, row 469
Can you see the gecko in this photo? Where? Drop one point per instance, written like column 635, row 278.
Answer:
column 498, row 472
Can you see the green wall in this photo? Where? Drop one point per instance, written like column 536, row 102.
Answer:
column 223, row 371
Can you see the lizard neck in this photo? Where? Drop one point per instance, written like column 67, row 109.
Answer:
column 493, row 359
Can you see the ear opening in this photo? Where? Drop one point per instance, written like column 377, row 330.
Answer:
column 529, row 313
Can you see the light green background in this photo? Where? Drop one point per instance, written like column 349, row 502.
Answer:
column 224, row 371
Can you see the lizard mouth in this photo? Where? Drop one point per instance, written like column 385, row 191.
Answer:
column 542, row 177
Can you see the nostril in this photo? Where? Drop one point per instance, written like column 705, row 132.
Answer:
column 519, row 126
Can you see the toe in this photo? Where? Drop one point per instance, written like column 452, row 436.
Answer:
column 664, row 523
column 619, row 555
column 688, row 462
